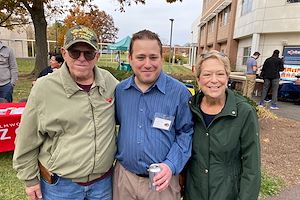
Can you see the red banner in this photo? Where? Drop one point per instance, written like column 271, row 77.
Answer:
column 10, row 115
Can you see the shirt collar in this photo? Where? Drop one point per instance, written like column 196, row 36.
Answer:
column 160, row 83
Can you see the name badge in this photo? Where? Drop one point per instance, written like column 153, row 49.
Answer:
column 162, row 121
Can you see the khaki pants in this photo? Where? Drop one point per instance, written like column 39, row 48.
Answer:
column 128, row 186
column 249, row 85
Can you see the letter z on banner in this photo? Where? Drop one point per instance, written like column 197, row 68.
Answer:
column 8, row 126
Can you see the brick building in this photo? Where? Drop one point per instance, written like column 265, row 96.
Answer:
column 217, row 27
column 240, row 27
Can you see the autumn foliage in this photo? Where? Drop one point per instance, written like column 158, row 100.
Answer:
column 95, row 19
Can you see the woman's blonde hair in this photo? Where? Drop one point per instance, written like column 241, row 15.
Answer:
column 212, row 54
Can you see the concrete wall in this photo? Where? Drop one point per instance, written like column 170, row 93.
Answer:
column 270, row 25
column 243, row 43
column 195, row 30
column 268, row 43
column 16, row 39
column 268, row 16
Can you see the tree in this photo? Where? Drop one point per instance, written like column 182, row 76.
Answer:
column 124, row 3
column 95, row 19
column 56, row 32
column 12, row 10
column 12, row 14
column 16, row 9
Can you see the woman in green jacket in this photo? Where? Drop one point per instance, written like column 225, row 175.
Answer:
column 225, row 161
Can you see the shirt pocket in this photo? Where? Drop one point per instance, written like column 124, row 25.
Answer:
column 3, row 58
column 163, row 121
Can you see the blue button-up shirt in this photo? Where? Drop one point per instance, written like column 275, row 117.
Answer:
column 250, row 63
column 139, row 143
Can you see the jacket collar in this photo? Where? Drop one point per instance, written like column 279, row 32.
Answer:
column 70, row 85
column 230, row 107
column 160, row 83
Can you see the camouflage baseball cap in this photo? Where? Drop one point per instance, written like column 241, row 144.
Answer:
column 81, row 33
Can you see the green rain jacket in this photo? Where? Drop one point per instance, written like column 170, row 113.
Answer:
column 225, row 161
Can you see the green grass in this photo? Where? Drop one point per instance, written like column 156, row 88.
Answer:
column 12, row 188
column 270, row 185
column 25, row 65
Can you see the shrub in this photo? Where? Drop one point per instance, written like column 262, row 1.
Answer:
column 120, row 75
column 270, row 185
column 178, row 59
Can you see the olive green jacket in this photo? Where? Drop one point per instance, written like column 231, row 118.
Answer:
column 225, row 161
column 70, row 131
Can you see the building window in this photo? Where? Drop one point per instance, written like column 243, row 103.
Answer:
column 224, row 16
column 211, row 25
column 246, row 54
column 293, row 1
column 202, row 30
column 246, row 6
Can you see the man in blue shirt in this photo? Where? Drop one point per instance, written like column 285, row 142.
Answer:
column 250, row 75
column 155, row 125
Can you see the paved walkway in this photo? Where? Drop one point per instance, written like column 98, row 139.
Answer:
column 286, row 109
column 292, row 193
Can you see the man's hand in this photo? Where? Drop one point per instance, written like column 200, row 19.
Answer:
column 254, row 68
column 34, row 192
column 162, row 179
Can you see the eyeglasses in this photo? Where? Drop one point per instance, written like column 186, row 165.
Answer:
column 207, row 55
column 88, row 55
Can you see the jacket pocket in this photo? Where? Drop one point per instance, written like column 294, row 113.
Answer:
column 56, row 150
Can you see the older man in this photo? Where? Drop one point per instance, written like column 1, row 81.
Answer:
column 67, row 131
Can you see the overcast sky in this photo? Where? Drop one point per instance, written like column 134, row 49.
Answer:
column 155, row 16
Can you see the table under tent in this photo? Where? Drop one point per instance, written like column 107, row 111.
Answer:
column 122, row 45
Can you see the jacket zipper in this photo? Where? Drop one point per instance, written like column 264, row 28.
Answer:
column 94, row 123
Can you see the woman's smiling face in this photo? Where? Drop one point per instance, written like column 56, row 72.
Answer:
column 213, row 78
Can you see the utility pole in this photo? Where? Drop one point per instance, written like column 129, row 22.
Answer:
column 170, row 53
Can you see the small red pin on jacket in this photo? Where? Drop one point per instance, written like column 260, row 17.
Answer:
column 109, row 100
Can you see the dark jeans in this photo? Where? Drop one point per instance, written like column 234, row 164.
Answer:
column 274, row 84
column 6, row 92
column 65, row 189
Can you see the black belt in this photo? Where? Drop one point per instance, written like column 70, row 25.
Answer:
column 143, row 175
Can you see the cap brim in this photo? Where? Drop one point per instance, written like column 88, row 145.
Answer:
column 76, row 41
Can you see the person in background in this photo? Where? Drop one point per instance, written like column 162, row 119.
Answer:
column 118, row 57
column 155, row 125
column 250, row 75
column 67, row 131
column 270, row 73
column 8, row 72
column 3, row 100
column 56, row 61
column 225, row 161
